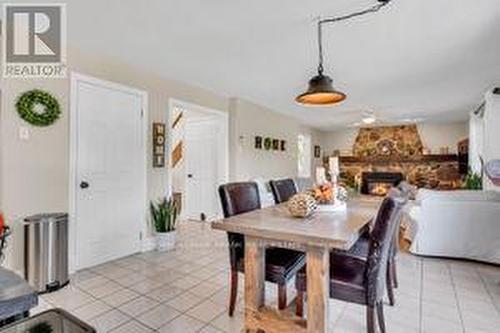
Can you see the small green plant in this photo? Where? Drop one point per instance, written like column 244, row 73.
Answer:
column 473, row 181
column 164, row 215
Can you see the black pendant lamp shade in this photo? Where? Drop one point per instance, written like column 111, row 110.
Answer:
column 320, row 92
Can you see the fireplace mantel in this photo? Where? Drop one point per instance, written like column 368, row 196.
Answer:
column 399, row 159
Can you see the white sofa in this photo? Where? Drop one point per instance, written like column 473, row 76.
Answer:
column 458, row 224
column 265, row 194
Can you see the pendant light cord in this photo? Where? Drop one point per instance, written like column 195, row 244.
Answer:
column 327, row 20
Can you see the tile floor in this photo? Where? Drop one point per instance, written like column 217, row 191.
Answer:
column 186, row 291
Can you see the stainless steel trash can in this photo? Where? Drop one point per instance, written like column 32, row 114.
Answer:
column 46, row 251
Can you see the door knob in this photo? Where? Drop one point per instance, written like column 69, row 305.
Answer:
column 84, row 185
column 190, row 175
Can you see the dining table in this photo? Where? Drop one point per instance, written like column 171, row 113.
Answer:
column 316, row 235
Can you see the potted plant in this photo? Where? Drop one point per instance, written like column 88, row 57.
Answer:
column 473, row 181
column 164, row 218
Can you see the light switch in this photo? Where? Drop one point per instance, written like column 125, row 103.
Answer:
column 24, row 133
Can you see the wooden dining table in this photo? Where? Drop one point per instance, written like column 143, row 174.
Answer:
column 316, row 235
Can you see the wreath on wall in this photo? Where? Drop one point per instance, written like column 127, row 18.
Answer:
column 39, row 108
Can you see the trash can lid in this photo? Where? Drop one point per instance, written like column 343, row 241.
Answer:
column 46, row 217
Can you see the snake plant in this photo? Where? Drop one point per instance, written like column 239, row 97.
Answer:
column 164, row 215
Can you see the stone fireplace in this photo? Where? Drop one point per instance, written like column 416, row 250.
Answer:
column 398, row 150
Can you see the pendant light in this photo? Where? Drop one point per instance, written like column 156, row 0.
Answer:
column 321, row 91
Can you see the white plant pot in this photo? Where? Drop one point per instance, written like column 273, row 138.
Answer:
column 165, row 241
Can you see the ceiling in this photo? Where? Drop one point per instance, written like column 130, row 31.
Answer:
column 413, row 60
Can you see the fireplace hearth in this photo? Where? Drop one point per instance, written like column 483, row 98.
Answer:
column 379, row 183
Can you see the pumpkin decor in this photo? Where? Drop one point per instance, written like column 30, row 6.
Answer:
column 325, row 194
column 302, row 205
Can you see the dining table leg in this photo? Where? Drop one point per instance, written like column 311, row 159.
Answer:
column 254, row 279
column 318, row 289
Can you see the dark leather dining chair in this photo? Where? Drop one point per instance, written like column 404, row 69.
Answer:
column 361, row 247
column 362, row 281
column 281, row 264
column 283, row 189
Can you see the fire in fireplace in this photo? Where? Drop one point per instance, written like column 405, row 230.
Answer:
column 379, row 183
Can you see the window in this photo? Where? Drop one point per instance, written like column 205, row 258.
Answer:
column 476, row 142
column 304, row 156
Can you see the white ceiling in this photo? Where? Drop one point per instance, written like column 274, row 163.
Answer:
column 431, row 59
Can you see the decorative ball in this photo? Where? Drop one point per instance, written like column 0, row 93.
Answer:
column 302, row 205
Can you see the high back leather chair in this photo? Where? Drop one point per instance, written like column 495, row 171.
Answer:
column 283, row 189
column 281, row 264
column 355, row 280
column 361, row 247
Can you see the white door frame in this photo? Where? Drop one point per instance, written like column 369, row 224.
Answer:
column 73, row 145
column 224, row 116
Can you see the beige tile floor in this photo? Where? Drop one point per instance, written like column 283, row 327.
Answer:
column 186, row 291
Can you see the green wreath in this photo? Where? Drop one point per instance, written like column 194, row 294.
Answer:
column 28, row 102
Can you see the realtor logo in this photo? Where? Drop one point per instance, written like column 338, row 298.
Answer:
column 35, row 41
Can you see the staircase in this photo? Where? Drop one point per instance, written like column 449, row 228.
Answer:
column 177, row 153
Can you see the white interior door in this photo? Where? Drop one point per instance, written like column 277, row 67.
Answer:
column 109, row 207
column 202, row 167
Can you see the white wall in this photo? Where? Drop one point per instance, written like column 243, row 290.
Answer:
column 437, row 135
column 35, row 173
column 433, row 136
column 342, row 140
column 248, row 120
column 491, row 132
